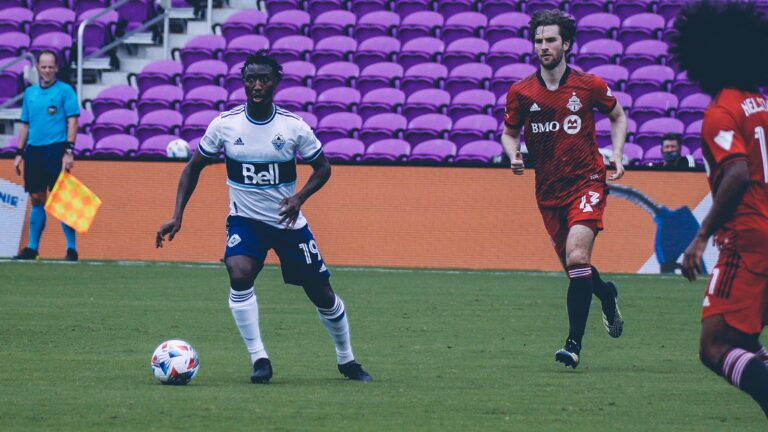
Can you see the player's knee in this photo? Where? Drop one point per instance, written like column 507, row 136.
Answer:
column 710, row 352
column 37, row 199
column 577, row 257
column 241, row 277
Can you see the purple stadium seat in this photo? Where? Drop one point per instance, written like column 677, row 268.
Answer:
column 482, row 151
column 644, row 53
column 234, row 80
column 472, row 128
column 319, row 7
column 308, row 118
column 98, row 33
column 85, row 120
column 669, row 31
column 337, row 74
column 465, row 50
column 158, row 72
column 698, row 156
column 420, row 24
column 156, row 146
column 409, row 7
column 117, row 145
column 115, row 97
column 377, row 49
column 655, row 152
column 11, row 145
column 335, row 100
column 344, row 150
column 378, row 23
column 364, row 7
column 242, row 23
column 627, row 8
column 423, row 76
column 276, row 6
column 83, row 144
column 670, row 8
column 338, row 125
column 58, row 19
column 614, row 75
column 532, row 6
column 649, row 134
column 196, row 124
column 682, row 87
column 464, row 25
column 60, row 43
column 42, row 5
column 333, row 23
column 158, row 122
column 378, row 75
column 601, row 25
column 15, row 19
column 599, row 52
column 582, row 8
column 164, row 96
column 382, row 126
column 603, row 131
column 624, row 99
column 500, row 106
column 296, row 98
column 436, row 150
column 117, row 121
column 492, row 8
column 426, row 127
column 378, row 101
column 649, row 78
column 287, row 23
column 654, row 105
column 507, row 25
column 471, row 102
column 507, row 75
column 426, row 101
column 203, row 47
column 506, row 51
column 236, row 98
column 420, row 50
column 692, row 108
column 640, row 27
column 11, row 79
column 204, row 72
column 468, row 76
column 204, row 98
column 449, row 8
column 296, row 73
column 692, row 136
column 292, row 48
column 387, row 150
column 239, row 48
column 333, row 49
column 136, row 12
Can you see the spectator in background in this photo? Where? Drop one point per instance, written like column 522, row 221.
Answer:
column 47, row 134
column 671, row 153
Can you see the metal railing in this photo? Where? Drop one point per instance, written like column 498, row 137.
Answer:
column 33, row 60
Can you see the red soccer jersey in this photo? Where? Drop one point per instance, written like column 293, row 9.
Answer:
column 559, row 131
column 736, row 128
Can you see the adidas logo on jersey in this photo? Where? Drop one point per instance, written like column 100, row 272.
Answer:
column 535, row 107
column 239, row 141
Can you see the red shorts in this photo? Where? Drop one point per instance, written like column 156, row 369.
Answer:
column 586, row 209
column 737, row 294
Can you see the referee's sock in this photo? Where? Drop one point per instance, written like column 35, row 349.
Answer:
column 36, row 225
column 70, row 235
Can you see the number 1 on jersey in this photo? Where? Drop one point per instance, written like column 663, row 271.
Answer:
column 310, row 247
column 760, row 135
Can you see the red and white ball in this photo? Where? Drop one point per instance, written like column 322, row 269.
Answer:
column 175, row 362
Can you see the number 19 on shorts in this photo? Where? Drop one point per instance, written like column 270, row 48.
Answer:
column 308, row 249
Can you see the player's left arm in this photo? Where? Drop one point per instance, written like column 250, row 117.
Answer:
column 291, row 206
column 618, row 136
column 68, row 160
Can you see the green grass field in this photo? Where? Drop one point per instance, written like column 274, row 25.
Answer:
column 448, row 350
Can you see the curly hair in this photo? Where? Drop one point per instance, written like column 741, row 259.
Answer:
column 263, row 57
column 722, row 44
column 565, row 22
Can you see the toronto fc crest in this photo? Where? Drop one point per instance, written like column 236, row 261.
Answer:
column 574, row 103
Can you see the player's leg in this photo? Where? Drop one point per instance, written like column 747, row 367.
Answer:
column 36, row 182
column 244, row 258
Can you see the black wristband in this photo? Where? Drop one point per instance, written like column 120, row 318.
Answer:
column 19, row 151
column 69, row 145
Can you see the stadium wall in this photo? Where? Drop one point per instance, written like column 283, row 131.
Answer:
column 433, row 217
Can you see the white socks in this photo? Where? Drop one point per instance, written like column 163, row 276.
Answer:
column 335, row 321
column 245, row 310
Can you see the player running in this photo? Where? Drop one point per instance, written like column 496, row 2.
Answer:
column 260, row 141
column 555, row 107
column 721, row 46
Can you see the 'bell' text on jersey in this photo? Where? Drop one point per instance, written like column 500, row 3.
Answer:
column 261, row 159
column 559, row 131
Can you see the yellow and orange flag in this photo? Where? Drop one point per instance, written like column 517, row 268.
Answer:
column 73, row 203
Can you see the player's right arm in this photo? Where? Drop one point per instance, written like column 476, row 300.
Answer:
column 510, row 139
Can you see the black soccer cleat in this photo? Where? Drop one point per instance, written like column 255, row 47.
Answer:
column 612, row 319
column 354, row 371
column 71, row 255
column 569, row 354
column 27, row 254
column 262, row 371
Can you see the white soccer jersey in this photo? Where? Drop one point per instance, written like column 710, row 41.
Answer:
column 261, row 159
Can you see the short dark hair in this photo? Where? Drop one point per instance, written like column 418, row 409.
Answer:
column 671, row 136
column 263, row 57
column 719, row 44
column 565, row 22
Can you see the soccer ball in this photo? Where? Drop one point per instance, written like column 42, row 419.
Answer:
column 177, row 148
column 175, row 362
